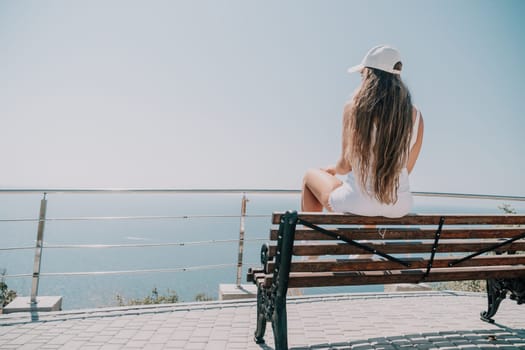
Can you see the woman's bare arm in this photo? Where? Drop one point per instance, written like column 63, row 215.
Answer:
column 414, row 152
column 343, row 165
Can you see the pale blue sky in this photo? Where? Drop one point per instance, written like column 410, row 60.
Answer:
column 221, row 94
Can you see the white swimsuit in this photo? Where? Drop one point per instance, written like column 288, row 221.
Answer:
column 351, row 198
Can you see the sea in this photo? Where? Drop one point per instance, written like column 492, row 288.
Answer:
column 193, row 235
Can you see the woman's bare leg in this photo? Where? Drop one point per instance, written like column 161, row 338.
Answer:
column 317, row 186
column 308, row 200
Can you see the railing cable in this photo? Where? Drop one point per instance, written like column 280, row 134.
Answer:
column 94, row 218
column 124, row 272
column 136, row 245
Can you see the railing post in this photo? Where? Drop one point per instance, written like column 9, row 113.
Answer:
column 38, row 249
column 241, row 239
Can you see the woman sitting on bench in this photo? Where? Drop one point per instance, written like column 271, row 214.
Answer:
column 382, row 137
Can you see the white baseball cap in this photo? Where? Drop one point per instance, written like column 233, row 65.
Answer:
column 381, row 57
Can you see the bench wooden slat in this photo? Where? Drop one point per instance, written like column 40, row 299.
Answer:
column 410, row 219
column 330, row 279
column 398, row 248
column 416, row 263
column 404, row 233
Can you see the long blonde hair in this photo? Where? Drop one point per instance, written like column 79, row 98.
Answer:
column 379, row 125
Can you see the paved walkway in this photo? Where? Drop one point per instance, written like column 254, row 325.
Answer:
column 421, row 320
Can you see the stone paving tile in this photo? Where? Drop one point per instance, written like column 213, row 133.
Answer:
column 369, row 321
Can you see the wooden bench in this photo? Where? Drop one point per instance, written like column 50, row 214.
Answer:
column 319, row 249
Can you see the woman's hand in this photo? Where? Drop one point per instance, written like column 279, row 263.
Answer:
column 330, row 170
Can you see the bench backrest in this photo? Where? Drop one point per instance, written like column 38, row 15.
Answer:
column 328, row 249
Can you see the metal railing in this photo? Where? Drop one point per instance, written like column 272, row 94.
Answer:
column 42, row 219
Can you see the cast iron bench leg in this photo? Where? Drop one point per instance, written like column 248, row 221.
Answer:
column 280, row 327
column 495, row 293
column 261, row 319
column 517, row 289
